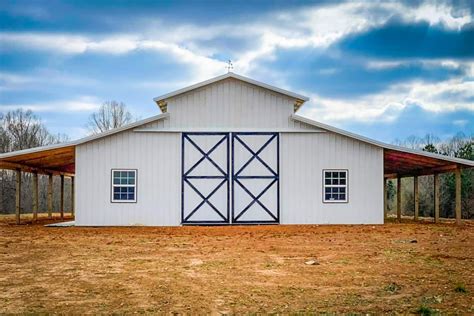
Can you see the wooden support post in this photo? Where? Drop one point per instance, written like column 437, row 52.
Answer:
column 385, row 201
column 61, row 205
column 18, row 196
column 50, row 196
column 399, row 199
column 458, row 196
column 417, row 198
column 436, row 197
column 35, row 197
column 72, row 196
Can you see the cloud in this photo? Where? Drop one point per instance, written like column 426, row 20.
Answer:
column 80, row 104
column 414, row 120
column 39, row 78
column 308, row 27
column 398, row 39
column 443, row 97
column 346, row 77
column 205, row 66
column 460, row 123
column 320, row 49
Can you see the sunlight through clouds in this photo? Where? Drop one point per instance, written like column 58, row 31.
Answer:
column 358, row 61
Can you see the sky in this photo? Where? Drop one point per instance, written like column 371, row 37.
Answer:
column 385, row 70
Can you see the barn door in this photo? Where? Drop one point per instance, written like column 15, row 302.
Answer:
column 205, row 178
column 255, row 177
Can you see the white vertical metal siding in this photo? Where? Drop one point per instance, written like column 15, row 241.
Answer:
column 230, row 104
column 303, row 158
column 158, row 160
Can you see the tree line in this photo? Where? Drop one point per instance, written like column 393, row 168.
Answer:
column 20, row 129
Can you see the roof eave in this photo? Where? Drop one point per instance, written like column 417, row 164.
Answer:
column 297, row 96
column 463, row 162
column 85, row 139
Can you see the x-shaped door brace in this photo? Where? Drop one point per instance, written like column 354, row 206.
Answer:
column 224, row 177
column 255, row 199
column 255, row 156
column 205, row 199
column 205, row 155
column 274, row 176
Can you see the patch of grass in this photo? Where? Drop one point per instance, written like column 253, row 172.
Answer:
column 460, row 288
column 392, row 288
column 271, row 265
column 343, row 261
column 213, row 264
column 432, row 261
column 425, row 311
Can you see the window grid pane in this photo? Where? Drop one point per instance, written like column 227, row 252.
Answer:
column 335, row 183
column 123, row 185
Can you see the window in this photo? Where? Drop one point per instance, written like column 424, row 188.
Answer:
column 335, row 186
column 124, row 184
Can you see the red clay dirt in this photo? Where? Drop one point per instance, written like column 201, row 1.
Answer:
column 238, row 269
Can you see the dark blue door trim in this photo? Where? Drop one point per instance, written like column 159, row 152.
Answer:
column 223, row 214
column 274, row 214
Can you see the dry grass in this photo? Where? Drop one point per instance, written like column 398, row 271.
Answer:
column 236, row 269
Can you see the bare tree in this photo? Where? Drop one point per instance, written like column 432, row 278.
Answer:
column 110, row 115
column 21, row 129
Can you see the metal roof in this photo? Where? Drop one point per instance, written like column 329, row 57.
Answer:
column 235, row 76
column 464, row 162
column 85, row 139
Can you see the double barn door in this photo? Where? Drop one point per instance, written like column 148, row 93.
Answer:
column 230, row 178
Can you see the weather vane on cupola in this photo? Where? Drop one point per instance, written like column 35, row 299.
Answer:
column 229, row 66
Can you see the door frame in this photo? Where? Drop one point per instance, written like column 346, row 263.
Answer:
column 275, row 136
column 205, row 156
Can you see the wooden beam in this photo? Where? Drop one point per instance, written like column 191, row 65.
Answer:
column 457, row 173
column 35, row 197
column 45, row 161
column 414, row 158
column 404, row 172
column 50, row 196
column 385, row 201
column 399, row 199
column 443, row 169
column 14, row 157
column 72, row 197
column 436, row 198
column 61, row 205
column 18, row 196
column 14, row 166
column 417, row 198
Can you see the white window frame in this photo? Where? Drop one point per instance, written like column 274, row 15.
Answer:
column 346, row 186
column 112, row 199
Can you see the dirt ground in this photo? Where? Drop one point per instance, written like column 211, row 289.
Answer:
column 404, row 268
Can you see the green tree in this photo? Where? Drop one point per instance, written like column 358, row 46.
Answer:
column 430, row 148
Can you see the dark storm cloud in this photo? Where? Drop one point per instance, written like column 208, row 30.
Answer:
column 400, row 40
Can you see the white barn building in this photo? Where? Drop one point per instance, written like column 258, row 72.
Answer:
column 229, row 150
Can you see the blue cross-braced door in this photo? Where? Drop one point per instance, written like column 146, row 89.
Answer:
column 205, row 178
column 255, row 178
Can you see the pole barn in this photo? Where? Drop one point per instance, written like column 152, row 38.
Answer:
column 230, row 150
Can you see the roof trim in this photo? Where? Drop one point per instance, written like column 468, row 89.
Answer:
column 85, row 139
column 464, row 162
column 235, row 76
